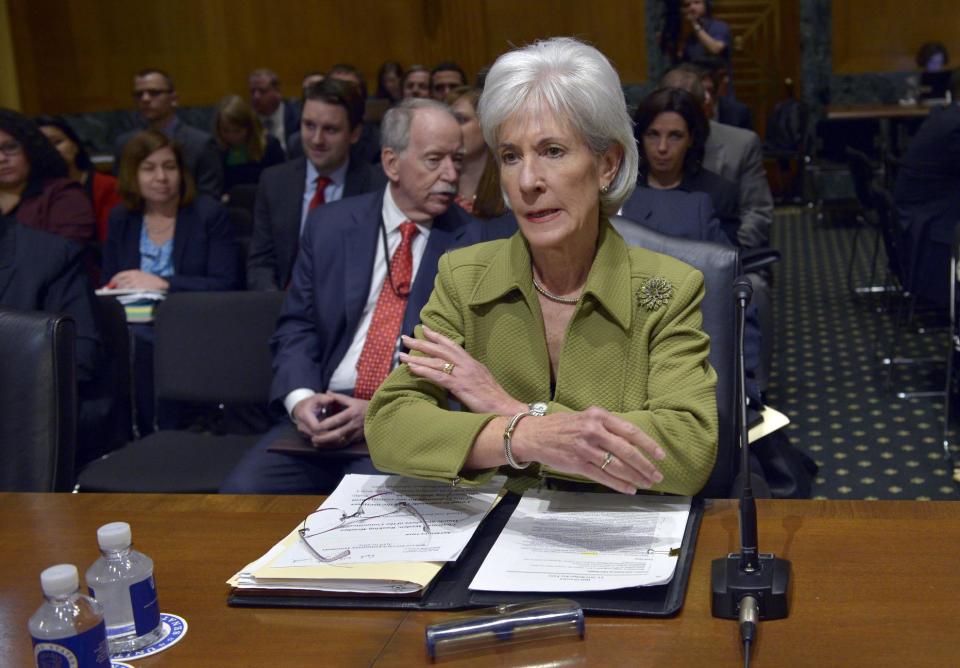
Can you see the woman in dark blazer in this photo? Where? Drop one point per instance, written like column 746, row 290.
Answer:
column 164, row 237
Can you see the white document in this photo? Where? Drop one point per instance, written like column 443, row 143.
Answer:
column 572, row 541
column 401, row 519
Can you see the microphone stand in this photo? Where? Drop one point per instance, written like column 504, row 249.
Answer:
column 751, row 585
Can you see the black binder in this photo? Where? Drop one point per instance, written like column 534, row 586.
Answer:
column 449, row 591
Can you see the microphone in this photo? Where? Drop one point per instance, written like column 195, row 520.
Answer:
column 751, row 585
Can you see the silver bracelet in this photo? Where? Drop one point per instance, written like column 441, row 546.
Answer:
column 508, row 433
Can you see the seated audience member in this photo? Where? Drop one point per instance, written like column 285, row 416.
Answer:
column 416, row 82
column 479, row 192
column 444, row 78
column 636, row 405
column 246, row 149
column 933, row 57
column 672, row 133
column 164, row 236
column 330, row 124
column 737, row 155
column 277, row 116
column 42, row 272
column 390, row 82
column 156, row 104
column 705, row 35
column 365, row 269
column 927, row 194
column 365, row 149
column 35, row 186
column 721, row 106
column 101, row 188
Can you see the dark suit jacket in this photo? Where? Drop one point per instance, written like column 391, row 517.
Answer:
column 200, row 152
column 42, row 272
column 205, row 252
column 927, row 194
column 731, row 111
column 725, row 197
column 331, row 281
column 675, row 213
column 276, row 218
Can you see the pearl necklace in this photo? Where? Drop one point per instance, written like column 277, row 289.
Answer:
column 552, row 297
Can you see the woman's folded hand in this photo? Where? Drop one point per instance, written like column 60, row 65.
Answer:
column 593, row 443
column 454, row 369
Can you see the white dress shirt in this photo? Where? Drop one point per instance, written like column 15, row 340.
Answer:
column 332, row 193
column 345, row 375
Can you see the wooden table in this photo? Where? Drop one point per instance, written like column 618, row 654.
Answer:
column 874, row 584
column 860, row 112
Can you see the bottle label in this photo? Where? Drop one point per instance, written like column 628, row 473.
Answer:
column 146, row 609
column 84, row 649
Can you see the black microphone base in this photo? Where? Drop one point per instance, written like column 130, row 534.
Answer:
column 768, row 585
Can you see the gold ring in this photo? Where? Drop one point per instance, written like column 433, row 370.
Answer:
column 606, row 461
column 448, row 368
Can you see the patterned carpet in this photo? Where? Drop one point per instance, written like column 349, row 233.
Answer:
column 828, row 379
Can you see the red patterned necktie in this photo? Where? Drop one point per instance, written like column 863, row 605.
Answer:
column 318, row 196
column 378, row 349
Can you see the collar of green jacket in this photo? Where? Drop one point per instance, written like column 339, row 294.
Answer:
column 608, row 283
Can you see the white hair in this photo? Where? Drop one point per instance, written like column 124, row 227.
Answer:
column 578, row 85
column 395, row 126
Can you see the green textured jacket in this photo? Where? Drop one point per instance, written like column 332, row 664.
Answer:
column 647, row 366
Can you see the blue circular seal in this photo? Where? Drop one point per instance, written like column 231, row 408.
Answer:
column 174, row 628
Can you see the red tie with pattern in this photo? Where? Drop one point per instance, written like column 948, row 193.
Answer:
column 318, row 196
column 378, row 349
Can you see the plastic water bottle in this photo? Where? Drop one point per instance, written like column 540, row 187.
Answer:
column 68, row 629
column 122, row 581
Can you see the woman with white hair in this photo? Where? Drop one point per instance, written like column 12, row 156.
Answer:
column 572, row 355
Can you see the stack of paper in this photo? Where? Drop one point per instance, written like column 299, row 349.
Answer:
column 397, row 544
column 138, row 304
column 570, row 541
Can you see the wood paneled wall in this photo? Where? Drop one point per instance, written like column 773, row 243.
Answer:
column 884, row 35
column 80, row 56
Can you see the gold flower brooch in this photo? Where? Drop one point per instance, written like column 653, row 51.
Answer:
column 654, row 293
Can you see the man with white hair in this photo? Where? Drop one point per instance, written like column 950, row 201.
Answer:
column 365, row 268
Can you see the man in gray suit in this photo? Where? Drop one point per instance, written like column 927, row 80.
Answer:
column 156, row 105
column 735, row 154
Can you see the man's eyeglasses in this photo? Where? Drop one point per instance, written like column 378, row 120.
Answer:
column 325, row 520
column 11, row 148
column 150, row 92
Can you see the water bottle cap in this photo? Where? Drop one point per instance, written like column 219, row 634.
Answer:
column 60, row 580
column 114, row 536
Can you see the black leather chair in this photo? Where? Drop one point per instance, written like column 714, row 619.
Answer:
column 106, row 409
column 210, row 347
column 901, row 268
column 720, row 266
column 863, row 174
column 38, row 401
column 950, row 387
